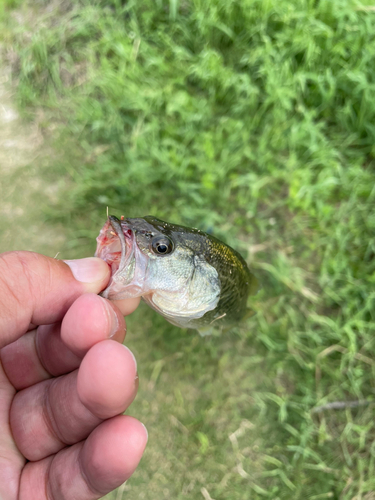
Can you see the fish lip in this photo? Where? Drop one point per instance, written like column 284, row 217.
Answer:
column 122, row 233
column 118, row 229
column 129, row 267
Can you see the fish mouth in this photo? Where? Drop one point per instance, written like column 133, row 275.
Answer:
column 115, row 245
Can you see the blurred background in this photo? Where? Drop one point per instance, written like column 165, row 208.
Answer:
column 253, row 120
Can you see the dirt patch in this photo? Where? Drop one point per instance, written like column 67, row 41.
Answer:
column 24, row 194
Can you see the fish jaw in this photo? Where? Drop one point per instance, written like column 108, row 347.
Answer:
column 117, row 246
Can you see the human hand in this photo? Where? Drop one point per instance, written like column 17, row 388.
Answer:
column 64, row 384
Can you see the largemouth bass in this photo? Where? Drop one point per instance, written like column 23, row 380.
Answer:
column 188, row 276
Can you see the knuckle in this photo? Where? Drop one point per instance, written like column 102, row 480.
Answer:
column 10, row 269
column 19, row 285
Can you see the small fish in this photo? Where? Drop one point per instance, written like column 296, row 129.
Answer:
column 188, row 276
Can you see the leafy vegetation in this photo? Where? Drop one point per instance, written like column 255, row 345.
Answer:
column 253, row 120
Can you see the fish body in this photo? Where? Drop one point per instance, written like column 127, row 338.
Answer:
column 190, row 277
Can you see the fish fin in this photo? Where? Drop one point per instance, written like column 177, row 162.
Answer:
column 248, row 314
column 214, row 330
column 204, row 331
column 226, row 329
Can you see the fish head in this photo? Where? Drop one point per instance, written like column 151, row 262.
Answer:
column 161, row 262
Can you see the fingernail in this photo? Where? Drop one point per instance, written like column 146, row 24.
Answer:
column 112, row 319
column 88, row 270
column 145, row 430
column 135, row 361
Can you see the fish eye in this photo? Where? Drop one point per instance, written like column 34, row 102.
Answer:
column 161, row 245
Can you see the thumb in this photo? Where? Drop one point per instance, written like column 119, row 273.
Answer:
column 37, row 289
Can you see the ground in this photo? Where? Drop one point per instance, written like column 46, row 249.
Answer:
column 23, row 192
column 252, row 120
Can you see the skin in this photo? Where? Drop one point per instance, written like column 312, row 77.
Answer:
column 65, row 380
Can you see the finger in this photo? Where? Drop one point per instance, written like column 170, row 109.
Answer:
column 39, row 290
column 46, row 417
column 90, row 320
column 11, row 461
column 127, row 306
column 90, row 469
column 58, row 349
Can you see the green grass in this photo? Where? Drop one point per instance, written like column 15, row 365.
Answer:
column 254, row 120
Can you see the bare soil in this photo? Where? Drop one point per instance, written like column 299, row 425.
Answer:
column 24, row 194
